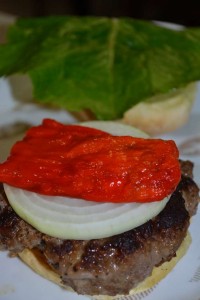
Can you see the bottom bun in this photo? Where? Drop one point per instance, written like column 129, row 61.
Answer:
column 34, row 260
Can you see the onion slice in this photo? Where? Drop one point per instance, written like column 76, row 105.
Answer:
column 69, row 218
column 78, row 219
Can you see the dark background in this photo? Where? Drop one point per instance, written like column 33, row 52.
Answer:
column 182, row 12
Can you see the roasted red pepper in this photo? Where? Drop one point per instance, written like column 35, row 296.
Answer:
column 76, row 161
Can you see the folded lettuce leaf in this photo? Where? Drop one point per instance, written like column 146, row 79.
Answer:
column 102, row 64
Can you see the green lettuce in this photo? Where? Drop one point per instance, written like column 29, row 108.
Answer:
column 102, row 64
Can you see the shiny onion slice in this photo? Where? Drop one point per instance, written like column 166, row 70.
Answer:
column 81, row 162
column 66, row 218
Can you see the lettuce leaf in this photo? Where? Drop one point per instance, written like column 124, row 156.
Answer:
column 102, row 64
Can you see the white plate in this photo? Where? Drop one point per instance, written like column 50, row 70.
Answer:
column 18, row 282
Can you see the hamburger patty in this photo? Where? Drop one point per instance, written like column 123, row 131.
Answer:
column 111, row 265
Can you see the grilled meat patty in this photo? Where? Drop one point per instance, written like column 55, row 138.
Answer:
column 112, row 265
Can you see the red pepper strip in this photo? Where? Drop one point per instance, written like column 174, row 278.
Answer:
column 76, row 161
